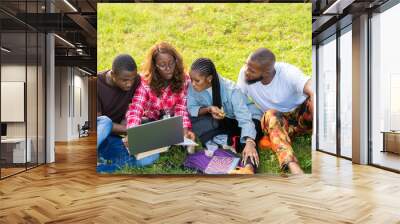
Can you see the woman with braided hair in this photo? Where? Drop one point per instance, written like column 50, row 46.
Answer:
column 218, row 107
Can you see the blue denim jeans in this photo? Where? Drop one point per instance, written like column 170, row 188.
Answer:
column 111, row 148
column 104, row 127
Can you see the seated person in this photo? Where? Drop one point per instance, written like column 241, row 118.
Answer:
column 115, row 89
column 285, row 96
column 163, row 90
column 218, row 107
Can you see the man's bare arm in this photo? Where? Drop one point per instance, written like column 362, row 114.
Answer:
column 308, row 89
column 310, row 93
column 118, row 128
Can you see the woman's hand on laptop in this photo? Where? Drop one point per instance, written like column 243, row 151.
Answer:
column 189, row 134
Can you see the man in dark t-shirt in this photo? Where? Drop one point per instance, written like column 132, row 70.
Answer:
column 115, row 89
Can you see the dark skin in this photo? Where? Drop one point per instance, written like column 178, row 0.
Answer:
column 165, row 64
column 202, row 82
column 256, row 72
column 124, row 81
column 265, row 73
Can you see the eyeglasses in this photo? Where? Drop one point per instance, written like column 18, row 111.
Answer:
column 166, row 66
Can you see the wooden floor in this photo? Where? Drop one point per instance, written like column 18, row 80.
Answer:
column 387, row 159
column 10, row 171
column 70, row 191
column 5, row 172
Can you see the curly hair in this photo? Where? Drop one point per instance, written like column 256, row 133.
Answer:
column 153, row 77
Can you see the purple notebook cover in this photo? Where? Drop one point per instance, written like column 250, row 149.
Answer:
column 221, row 162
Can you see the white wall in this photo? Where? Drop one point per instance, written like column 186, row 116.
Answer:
column 12, row 93
column 61, row 103
column 71, row 94
column 14, row 73
column 34, row 125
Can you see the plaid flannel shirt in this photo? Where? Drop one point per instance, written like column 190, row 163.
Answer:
column 145, row 103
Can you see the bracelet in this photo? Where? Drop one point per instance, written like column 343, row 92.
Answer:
column 252, row 141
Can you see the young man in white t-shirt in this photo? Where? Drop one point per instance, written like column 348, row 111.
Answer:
column 285, row 96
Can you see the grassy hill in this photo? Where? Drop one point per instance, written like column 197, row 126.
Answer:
column 226, row 33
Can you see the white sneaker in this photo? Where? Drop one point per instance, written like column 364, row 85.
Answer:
column 190, row 149
column 228, row 147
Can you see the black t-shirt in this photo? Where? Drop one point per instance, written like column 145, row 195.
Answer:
column 111, row 100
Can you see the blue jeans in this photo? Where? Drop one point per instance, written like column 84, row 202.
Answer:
column 104, row 127
column 111, row 148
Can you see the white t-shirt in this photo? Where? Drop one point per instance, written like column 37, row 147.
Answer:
column 284, row 93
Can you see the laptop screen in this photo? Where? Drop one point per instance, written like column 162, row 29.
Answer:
column 156, row 134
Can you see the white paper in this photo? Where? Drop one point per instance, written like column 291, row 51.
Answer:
column 187, row 142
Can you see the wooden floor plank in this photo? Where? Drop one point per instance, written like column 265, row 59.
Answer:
column 70, row 191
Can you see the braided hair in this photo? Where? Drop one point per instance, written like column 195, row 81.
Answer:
column 206, row 68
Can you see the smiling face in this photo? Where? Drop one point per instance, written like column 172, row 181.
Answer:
column 165, row 64
column 200, row 82
column 255, row 72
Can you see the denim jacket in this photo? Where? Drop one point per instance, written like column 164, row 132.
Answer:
column 236, row 106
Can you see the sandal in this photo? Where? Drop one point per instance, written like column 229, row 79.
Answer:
column 242, row 170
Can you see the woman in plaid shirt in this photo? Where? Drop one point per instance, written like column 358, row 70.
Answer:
column 163, row 90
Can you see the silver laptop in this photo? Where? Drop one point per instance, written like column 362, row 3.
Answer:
column 156, row 134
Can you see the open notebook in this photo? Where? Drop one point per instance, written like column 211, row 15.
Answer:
column 221, row 162
column 186, row 142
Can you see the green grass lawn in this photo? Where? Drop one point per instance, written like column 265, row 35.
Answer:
column 226, row 33
column 171, row 161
